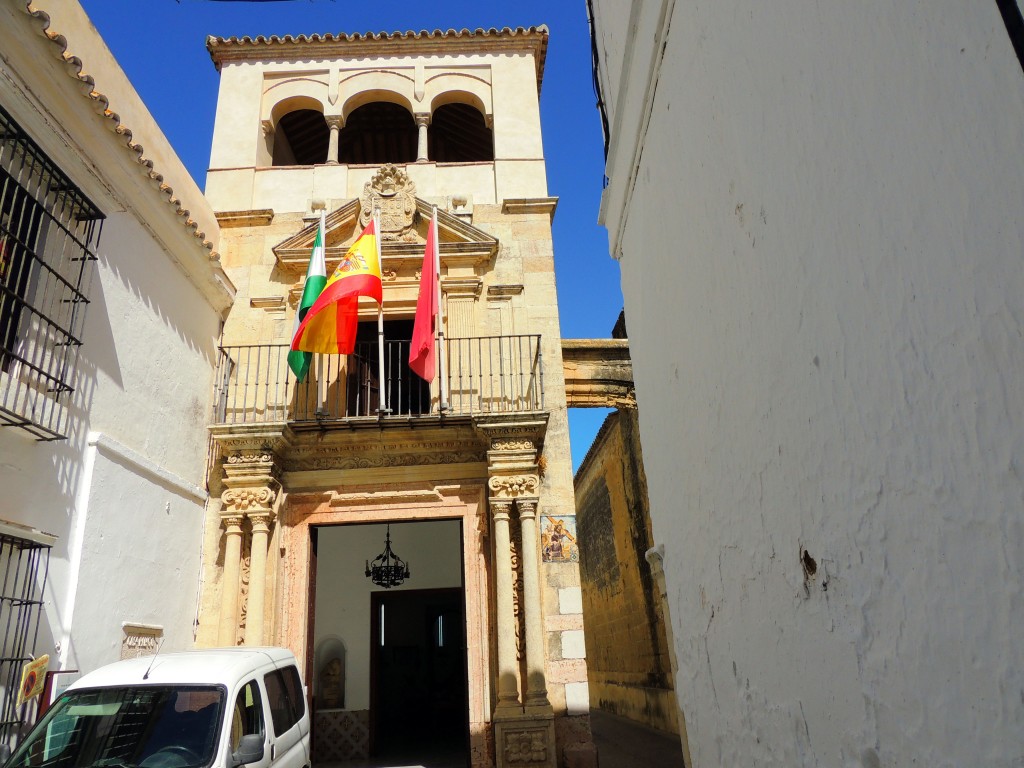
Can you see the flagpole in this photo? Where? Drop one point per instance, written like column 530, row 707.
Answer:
column 380, row 322
column 441, row 368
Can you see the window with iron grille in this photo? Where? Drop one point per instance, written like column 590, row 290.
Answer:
column 24, row 563
column 49, row 232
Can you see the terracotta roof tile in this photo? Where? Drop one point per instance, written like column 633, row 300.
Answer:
column 454, row 40
column 101, row 104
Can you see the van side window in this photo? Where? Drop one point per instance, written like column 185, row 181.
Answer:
column 248, row 714
column 284, row 694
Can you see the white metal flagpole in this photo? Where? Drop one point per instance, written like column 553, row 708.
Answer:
column 442, row 378
column 380, row 323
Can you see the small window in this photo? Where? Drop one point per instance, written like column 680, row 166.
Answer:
column 247, row 717
column 284, row 694
column 49, row 232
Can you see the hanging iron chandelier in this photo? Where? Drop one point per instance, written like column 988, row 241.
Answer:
column 388, row 569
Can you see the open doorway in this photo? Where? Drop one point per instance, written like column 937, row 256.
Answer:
column 403, row 693
column 418, row 694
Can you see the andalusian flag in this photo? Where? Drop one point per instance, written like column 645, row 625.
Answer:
column 329, row 327
column 316, row 277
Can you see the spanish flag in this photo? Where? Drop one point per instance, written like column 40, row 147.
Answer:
column 329, row 326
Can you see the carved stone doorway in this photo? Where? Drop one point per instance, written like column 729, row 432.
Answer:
column 403, row 692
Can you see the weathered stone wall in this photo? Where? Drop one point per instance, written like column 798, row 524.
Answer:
column 627, row 651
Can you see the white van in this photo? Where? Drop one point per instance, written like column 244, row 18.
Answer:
column 218, row 708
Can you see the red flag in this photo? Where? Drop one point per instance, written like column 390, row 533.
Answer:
column 422, row 355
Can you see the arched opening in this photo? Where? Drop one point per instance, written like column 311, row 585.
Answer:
column 301, row 138
column 459, row 134
column 376, row 133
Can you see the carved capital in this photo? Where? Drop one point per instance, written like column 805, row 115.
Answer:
column 261, row 521
column 527, row 508
column 501, row 510
column 232, row 523
column 267, row 127
column 241, row 500
column 511, row 486
column 422, row 118
column 335, row 122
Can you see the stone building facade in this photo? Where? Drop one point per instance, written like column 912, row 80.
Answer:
column 460, row 482
column 629, row 659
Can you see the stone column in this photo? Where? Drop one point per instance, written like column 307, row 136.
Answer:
column 257, row 576
column 508, row 687
column 335, row 123
column 253, row 489
column 422, row 121
column 232, row 563
column 536, row 694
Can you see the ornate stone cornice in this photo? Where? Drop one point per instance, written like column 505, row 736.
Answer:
column 339, row 459
column 387, row 496
column 518, row 427
column 331, row 47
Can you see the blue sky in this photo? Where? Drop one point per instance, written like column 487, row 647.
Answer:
column 161, row 46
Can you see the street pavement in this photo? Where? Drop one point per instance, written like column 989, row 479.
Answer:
column 622, row 743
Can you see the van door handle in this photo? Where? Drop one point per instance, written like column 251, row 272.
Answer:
column 273, row 752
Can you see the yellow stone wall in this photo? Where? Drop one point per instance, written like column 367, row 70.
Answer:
column 627, row 651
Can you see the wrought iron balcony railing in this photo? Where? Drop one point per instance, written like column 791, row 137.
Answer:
column 488, row 374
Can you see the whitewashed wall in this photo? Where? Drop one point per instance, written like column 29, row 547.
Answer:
column 821, row 252
column 123, row 493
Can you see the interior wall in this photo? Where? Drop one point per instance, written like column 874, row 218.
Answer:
column 434, row 553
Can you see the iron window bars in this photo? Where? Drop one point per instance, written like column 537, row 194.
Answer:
column 24, row 564
column 49, row 232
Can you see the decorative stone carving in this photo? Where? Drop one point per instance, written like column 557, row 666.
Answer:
column 317, row 462
column 244, row 499
column 501, row 509
column 512, row 445
column 261, row 521
column 526, row 747
column 243, row 593
column 515, row 537
column 514, row 485
column 232, row 522
column 140, row 640
column 250, row 458
column 394, row 193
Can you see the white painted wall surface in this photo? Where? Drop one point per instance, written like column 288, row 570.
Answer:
column 144, row 371
column 434, row 552
column 821, row 264
column 138, row 556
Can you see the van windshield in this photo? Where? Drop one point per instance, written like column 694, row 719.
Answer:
column 132, row 727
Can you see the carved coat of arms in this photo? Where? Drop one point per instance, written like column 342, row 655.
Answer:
column 391, row 191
